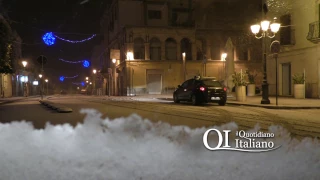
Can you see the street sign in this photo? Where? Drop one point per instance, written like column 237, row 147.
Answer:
column 42, row 60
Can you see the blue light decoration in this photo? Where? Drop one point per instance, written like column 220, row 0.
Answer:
column 49, row 38
column 61, row 78
column 82, row 83
column 86, row 63
column 71, row 77
column 80, row 41
column 72, row 62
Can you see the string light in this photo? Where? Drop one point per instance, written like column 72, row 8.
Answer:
column 85, row 63
column 82, row 83
column 80, row 41
column 74, row 62
column 62, row 77
column 49, row 39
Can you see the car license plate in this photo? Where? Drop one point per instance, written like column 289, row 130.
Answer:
column 215, row 98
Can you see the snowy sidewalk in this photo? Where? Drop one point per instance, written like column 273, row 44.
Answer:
column 13, row 99
column 255, row 101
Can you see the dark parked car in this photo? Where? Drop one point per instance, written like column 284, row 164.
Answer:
column 201, row 90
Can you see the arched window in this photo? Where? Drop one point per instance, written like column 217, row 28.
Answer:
column 155, row 49
column 200, row 49
column 171, row 49
column 186, row 47
column 138, row 48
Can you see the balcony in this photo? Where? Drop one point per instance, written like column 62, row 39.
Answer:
column 314, row 34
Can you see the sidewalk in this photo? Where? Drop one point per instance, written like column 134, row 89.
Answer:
column 13, row 99
column 255, row 101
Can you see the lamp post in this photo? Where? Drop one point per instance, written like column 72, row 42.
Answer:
column 223, row 58
column 113, row 76
column 184, row 65
column 24, row 63
column 274, row 28
column 41, row 86
column 94, row 80
column 47, row 85
column 25, row 87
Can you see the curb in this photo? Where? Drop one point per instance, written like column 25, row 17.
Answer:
column 58, row 107
column 275, row 107
column 12, row 101
column 261, row 106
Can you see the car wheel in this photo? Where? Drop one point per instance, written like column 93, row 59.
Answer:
column 194, row 100
column 175, row 98
column 222, row 102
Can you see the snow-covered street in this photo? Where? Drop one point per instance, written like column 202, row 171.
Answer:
column 135, row 148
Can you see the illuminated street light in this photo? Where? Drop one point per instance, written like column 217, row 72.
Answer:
column 47, row 84
column 24, row 63
column 274, row 28
column 94, row 71
column 40, row 75
column 114, row 61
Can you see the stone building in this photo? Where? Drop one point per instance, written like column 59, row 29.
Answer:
column 151, row 46
column 299, row 38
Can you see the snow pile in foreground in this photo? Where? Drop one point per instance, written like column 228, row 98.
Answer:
column 134, row 148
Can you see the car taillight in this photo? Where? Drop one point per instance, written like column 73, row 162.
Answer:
column 202, row 88
column 225, row 89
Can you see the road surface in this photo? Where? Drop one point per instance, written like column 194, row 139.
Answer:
column 301, row 123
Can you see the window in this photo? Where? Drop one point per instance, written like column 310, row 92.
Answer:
column 154, row 14
column 138, row 48
column 215, row 51
column 155, row 49
column 171, row 49
column 285, row 30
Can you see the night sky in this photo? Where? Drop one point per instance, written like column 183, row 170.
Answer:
column 69, row 19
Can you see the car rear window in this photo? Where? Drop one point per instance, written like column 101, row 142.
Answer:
column 212, row 83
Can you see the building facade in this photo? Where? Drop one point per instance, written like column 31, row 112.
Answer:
column 299, row 38
column 151, row 46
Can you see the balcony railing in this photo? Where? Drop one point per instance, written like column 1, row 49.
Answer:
column 314, row 34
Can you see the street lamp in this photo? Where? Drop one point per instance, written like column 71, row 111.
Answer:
column 24, row 63
column 94, row 81
column 223, row 58
column 25, row 86
column 184, row 65
column 113, row 77
column 255, row 29
column 87, row 78
column 47, row 85
column 41, row 86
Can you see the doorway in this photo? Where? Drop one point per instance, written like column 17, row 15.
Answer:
column 286, row 79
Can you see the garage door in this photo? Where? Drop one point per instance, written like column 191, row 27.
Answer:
column 154, row 84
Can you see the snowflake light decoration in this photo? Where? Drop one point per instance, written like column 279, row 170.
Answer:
column 49, row 38
column 86, row 63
